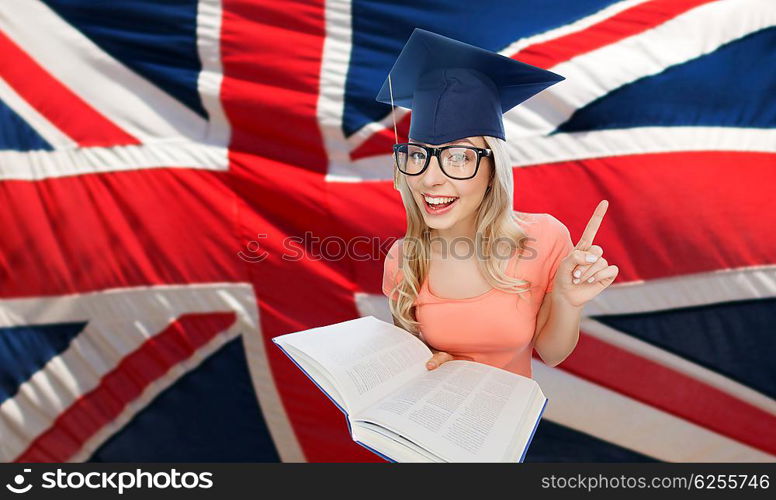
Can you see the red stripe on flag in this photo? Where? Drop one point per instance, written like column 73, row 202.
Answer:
column 72, row 115
column 125, row 383
column 629, row 22
column 672, row 392
column 119, row 229
column 272, row 62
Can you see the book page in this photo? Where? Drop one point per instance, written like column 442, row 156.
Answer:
column 389, row 444
column 318, row 374
column 463, row 411
column 366, row 358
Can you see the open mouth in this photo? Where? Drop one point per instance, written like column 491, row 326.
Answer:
column 435, row 208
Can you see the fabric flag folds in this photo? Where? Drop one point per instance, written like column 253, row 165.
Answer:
column 182, row 182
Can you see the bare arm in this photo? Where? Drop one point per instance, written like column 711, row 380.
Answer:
column 557, row 329
column 581, row 276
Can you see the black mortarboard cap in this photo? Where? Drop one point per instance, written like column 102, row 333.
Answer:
column 457, row 90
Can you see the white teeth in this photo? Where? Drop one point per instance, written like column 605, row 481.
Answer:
column 438, row 201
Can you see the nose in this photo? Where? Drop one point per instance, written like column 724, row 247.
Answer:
column 433, row 176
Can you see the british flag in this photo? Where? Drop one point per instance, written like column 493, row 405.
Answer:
column 172, row 174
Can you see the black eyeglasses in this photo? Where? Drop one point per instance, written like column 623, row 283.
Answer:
column 456, row 162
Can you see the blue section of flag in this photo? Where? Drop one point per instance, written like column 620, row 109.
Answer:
column 26, row 349
column 738, row 78
column 556, row 443
column 380, row 30
column 734, row 339
column 16, row 134
column 158, row 40
column 209, row 415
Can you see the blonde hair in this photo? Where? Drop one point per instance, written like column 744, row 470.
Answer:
column 496, row 221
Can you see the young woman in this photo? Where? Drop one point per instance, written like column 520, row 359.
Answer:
column 473, row 278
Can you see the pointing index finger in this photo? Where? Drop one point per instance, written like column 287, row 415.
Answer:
column 586, row 241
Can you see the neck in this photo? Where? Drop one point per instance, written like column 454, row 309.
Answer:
column 463, row 230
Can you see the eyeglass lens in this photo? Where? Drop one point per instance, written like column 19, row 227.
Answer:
column 458, row 162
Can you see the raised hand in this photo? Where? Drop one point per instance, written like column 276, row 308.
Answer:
column 578, row 279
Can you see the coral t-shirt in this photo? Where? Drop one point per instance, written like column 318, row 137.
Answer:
column 497, row 327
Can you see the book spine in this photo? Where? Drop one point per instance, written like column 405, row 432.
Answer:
column 385, row 457
column 536, row 424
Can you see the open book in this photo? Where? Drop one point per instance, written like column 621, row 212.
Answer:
column 375, row 372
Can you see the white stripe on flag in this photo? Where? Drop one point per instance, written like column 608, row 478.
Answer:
column 37, row 121
column 209, row 15
column 40, row 164
column 539, row 150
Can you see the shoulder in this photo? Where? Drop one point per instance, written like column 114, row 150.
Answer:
column 528, row 222
column 396, row 249
column 557, row 236
column 392, row 272
column 547, row 234
column 542, row 226
column 553, row 226
column 393, row 256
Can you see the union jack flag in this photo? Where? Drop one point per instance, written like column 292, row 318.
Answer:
column 164, row 165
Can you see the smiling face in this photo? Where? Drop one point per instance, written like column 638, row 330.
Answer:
column 433, row 184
